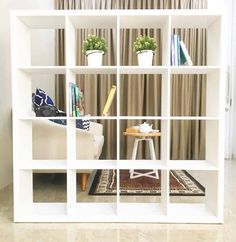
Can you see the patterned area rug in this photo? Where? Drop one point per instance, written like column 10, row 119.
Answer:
column 181, row 184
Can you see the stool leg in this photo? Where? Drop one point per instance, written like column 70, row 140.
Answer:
column 152, row 150
column 134, row 154
column 153, row 156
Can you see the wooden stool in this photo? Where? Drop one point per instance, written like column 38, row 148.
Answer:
column 143, row 137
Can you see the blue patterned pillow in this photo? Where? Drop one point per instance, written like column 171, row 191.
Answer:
column 80, row 123
column 41, row 98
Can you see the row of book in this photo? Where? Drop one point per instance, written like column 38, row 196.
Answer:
column 179, row 52
column 76, row 101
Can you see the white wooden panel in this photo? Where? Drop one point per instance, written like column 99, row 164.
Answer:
column 165, row 190
column 71, row 191
column 43, row 165
column 22, row 95
column 191, row 165
column 193, row 21
column 70, row 37
column 193, row 69
column 43, row 69
column 165, row 141
column 165, row 95
column 93, row 164
column 92, row 70
column 23, row 141
column 71, row 141
column 165, row 40
column 141, row 164
column 214, row 43
column 213, row 94
column 93, row 21
column 143, row 70
column 43, row 22
column 22, row 43
column 23, row 193
column 212, row 142
column 143, row 21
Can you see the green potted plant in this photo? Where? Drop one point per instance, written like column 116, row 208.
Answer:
column 94, row 47
column 145, row 47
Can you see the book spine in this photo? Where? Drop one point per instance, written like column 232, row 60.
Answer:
column 172, row 50
column 186, row 54
column 77, row 99
column 176, row 49
column 178, row 46
column 183, row 60
column 73, row 101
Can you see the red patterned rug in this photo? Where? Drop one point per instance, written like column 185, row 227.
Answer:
column 181, row 184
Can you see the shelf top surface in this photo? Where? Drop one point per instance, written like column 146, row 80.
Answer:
column 151, row 18
column 114, row 12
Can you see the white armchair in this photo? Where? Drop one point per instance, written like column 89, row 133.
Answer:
column 49, row 142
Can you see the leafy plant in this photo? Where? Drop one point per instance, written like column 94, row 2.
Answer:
column 144, row 43
column 94, row 42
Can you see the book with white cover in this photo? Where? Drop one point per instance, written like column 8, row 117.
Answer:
column 185, row 51
column 172, row 50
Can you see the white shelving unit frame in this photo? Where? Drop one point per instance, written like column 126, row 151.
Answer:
column 25, row 210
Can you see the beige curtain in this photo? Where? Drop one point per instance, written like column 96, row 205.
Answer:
column 141, row 94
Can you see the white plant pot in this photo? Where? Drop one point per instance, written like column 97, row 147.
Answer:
column 94, row 57
column 145, row 57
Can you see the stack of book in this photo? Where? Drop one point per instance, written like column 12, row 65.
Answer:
column 76, row 101
column 179, row 52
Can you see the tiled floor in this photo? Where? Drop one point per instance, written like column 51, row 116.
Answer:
column 100, row 232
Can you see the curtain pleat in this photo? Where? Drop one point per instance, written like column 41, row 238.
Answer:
column 141, row 94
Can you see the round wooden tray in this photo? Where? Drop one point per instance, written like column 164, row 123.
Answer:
column 138, row 134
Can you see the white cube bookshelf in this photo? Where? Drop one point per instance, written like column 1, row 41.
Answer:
column 25, row 210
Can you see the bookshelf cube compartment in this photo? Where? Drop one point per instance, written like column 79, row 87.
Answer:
column 154, row 26
column 195, row 97
column 49, row 187
column 128, row 57
column 100, row 186
column 206, row 156
column 95, row 89
column 136, row 102
column 80, row 27
column 142, row 188
column 37, row 42
column 30, row 78
column 93, row 145
column 110, row 36
column 49, row 139
column 197, row 197
column 135, row 201
column 210, row 25
column 141, row 143
column 189, row 101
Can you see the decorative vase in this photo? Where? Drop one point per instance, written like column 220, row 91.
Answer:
column 94, row 57
column 145, row 57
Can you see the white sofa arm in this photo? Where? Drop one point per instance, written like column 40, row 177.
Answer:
column 88, row 143
column 96, row 128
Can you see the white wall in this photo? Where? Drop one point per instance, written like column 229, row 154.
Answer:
column 39, row 39
column 233, row 79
